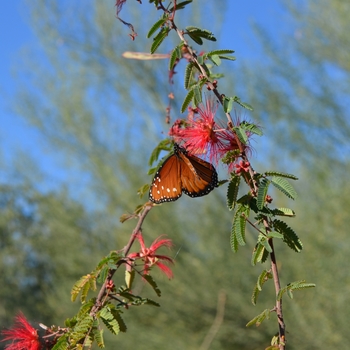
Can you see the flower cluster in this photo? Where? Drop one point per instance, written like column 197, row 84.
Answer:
column 201, row 134
column 22, row 334
column 149, row 256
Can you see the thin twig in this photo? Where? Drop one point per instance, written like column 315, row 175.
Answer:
column 219, row 318
column 99, row 303
column 276, row 280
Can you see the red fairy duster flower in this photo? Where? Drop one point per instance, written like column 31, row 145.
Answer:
column 149, row 256
column 201, row 134
column 22, row 334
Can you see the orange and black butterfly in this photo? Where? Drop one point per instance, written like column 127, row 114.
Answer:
column 182, row 172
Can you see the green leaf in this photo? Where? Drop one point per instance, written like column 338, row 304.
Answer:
column 227, row 104
column 156, row 26
column 257, row 320
column 264, row 241
column 284, row 186
column 80, row 285
column 239, row 223
column 215, row 59
column 262, row 192
column 164, row 145
column 197, row 96
column 225, row 57
column 195, row 38
column 98, row 336
column 180, row 5
column 129, row 278
column 153, row 284
column 283, row 212
column 189, row 72
column 84, row 291
column 147, row 301
column 200, row 33
column 187, row 100
column 232, row 191
column 108, row 319
column 243, row 104
column 258, row 253
column 81, row 329
column 274, row 234
column 173, row 57
column 251, row 128
column 61, row 343
column 264, row 277
column 233, row 240
column 289, row 236
column 298, row 285
column 117, row 316
column 241, row 134
column 142, row 190
column 278, row 173
column 158, row 39
column 85, row 308
column 219, row 52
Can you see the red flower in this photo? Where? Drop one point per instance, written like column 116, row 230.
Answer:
column 242, row 167
column 149, row 256
column 22, row 334
column 201, row 134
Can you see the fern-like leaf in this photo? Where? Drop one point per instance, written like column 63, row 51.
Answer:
column 283, row 212
column 257, row 320
column 173, row 57
column 215, row 59
column 158, row 39
column 98, row 337
column 156, row 26
column 79, row 285
column 280, row 174
column 189, row 71
column 298, row 285
column 187, row 100
column 233, row 240
column 180, row 5
column 289, row 236
column 108, row 319
column 197, row 39
column 263, row 277
column 197, row 33
column 117, row 316
column 241, row 134
column 284, row 186
column 239, row 223
column 197, row 96
column 262, row 192
column 243, row 104
column 251, row 128
column 153, row 284
column 232, row 191
column 218, row 52
column 85, row 308
column 227, row 104
column 260, row 254
column 225, row 57
column 61, row 343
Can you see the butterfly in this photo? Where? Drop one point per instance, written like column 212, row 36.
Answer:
column 182, row 172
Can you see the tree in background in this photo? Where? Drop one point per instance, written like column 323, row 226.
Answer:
column 90, row 148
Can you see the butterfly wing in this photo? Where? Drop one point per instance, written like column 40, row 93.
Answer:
column 166, row 185
column 198, row 177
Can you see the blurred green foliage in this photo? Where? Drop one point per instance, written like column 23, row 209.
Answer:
column 100, row 116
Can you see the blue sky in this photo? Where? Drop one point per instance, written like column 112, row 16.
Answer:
column 16, row 34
